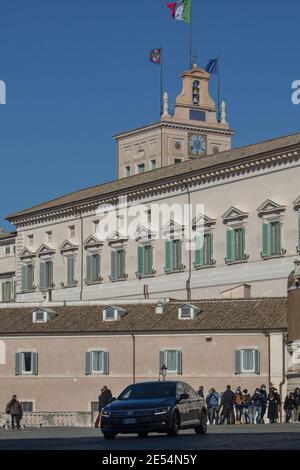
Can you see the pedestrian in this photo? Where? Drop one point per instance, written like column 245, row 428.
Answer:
column 297, row 405
column 257, row 403
column 227, row 404
column 212, row 401
column 289, row 406
column 14, row 409
column 246, row 406
column 238, row 405
column 104, row 399
column 274, row 402
column 264, row 396
column 200, row 391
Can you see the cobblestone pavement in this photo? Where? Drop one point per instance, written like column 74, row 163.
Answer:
column 239, row 437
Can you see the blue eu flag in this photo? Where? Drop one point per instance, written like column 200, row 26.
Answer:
column 213, row 67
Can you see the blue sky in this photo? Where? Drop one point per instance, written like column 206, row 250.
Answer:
column 77, row 72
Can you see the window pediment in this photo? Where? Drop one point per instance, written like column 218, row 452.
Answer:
column 26, row 253
column 117, row 237
column 144, row 234
column 234, row 214
column 270, row 208
column 172, row 229
column 45, row 250
column 297, row 204
column 92, row 242
column 202, row 220
column 67, row 246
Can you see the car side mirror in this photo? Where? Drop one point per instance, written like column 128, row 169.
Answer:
column 113, row 399
column 184, row 396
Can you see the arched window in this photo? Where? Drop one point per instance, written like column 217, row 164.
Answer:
column 196, row 93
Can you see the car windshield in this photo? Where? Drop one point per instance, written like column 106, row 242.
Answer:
column 148, row 391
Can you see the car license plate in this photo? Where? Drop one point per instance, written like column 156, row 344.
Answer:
column 129, row 421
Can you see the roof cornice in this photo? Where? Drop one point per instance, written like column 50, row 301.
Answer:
column 196, row 177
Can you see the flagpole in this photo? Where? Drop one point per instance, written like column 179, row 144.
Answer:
column 219, row 89
column 191, row 38
column 161, row 80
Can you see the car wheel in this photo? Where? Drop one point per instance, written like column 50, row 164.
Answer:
column 174, row 429
column 109, row 435
column 202, row 428
column 143, row 434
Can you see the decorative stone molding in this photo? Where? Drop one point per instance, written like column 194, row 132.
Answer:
column 201, row 221
column 68, row 246
column 26, row 253
column 45, row 250
column 234, row 215
column 270, row 208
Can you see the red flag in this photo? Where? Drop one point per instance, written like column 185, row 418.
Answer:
column 172, row 7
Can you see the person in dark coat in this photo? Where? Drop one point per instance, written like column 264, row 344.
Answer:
column 14, row 408
column 264, row 396
column 257, row 402
column 227, row 404
column 289, row 406
column 104, row 398
column 274, row 402
column 297, row 405
column 200, row 391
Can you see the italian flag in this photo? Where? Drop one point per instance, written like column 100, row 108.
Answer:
column 181, row 10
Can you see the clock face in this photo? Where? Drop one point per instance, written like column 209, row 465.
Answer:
column 197, row 144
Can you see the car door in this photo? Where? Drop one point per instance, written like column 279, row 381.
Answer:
column 194, row 404
column 182, row 404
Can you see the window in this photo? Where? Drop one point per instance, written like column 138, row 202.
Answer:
column 7, row 250
column 145, row 260
column 172, row 359
column 26, row 363
column 46, row 274
column 72, row 231
column 235, row 244
column 118, row 264
column 27, row 277
column 204, row 250
column 141, row 167
column 93, row 268
column 27, row 406
column 127, row 171
column 97, row 362
column 30, row 240
column 70, row 270
column 173, row 255
column 177, row 160
column 272, row 239
column 153, row 164
column 39, row 316
column 94, row 406
column 149, row 216
column 247, row 361
column 6, row 291
column 49, row 236
column 112, row 313
column 196, row 92
column 96, row 226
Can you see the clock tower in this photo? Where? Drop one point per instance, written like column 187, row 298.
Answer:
column 191, row 131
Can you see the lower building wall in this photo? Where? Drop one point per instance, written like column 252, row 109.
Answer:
column 62, row 385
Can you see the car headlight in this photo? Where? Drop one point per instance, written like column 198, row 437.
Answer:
column 106, row 413
column 162, row 411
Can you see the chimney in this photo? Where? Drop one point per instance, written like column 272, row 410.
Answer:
column 242, row 291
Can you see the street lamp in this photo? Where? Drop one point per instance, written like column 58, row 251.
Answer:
column 163, row 371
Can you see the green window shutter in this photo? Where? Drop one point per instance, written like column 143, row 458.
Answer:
column 113, row 273
column 243, row 242
column 238, row 362
column 30, row 274
column 105, row 363
column 24, row 277
column 42, row 275
column 141, row 260
column 148, row 260
column 18, row 363
column 3, row 292
column 88, row 363
column 89, row 268
column 96, row 267
column 169, row 255
column 179, row 362
column 266, row 239
column 177, row 254
column 199, row 253
column 34, row 358
column 210, row 241
column 257, row 362
column 230, row 245
column 279, row 246
column 121, row 263
column 70, row 269
column 162, row 359
column 49, row 273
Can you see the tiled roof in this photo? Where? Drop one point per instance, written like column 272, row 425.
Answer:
column 215, row 315
column 161, row 174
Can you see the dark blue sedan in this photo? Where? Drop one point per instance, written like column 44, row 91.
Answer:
column 162, row 407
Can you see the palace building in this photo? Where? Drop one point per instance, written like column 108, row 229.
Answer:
column 79, row 311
